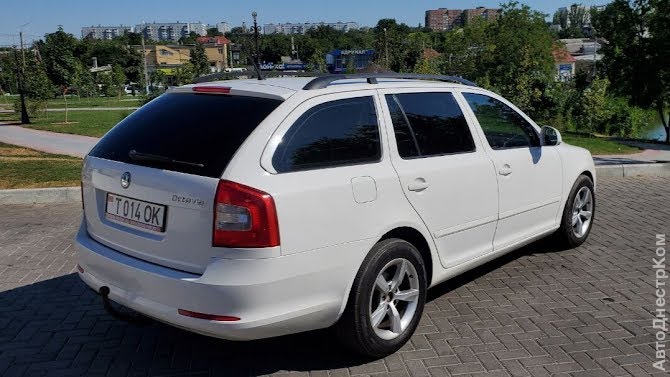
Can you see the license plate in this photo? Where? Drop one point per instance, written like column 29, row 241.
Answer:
column 136, row 213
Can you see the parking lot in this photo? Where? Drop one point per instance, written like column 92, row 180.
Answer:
column 537, row 311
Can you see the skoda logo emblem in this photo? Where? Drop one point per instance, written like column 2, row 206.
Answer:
column 125, row 180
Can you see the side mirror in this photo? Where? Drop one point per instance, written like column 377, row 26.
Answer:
column 550, row 136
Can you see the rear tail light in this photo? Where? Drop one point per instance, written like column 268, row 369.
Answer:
column 244, row 217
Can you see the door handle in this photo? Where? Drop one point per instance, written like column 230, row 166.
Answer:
column 505, row 170
column 418, row 185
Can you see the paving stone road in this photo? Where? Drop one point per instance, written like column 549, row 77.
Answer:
column 538, row 311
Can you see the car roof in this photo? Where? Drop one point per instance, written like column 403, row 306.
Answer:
column 284, row 87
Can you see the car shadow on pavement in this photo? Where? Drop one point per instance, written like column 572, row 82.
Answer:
column 545, row 245
column 61, row 323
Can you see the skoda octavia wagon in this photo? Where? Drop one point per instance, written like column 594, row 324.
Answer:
column 258, row 208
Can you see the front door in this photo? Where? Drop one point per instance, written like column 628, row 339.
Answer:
column 529, row 175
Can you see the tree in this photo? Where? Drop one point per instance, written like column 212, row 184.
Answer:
column 87, row 87
column 214, row 32
column 392, row 46
column 62, row 67
column 114, row 52
column 593, row 110
column 36, row 85
column 8, row 81
column 427, row 66
column 462, row 49
column 576, row 17
column 157, row 78
column 199, row 60
column 190, row 39
column 515, row 58
column 636, row 53
column 183, row 75
column 118, row 80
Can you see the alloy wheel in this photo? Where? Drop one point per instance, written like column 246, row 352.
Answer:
column 582, row 212
column 394, row 298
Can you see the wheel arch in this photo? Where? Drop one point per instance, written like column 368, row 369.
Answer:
column 409, row 233
column 417, row 239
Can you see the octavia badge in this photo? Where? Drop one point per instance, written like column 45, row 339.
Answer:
column 125, row 180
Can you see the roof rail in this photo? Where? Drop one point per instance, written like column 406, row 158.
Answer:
column 323, row 81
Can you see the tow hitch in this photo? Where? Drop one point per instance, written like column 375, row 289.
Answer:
column 135, row 318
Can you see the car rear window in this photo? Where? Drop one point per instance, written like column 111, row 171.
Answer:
column 196, row 133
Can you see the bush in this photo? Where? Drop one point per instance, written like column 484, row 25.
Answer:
column 558, row 105
column 626, row 120
column 35, row 108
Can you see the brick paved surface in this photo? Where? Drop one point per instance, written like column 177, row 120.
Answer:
column 538, row 311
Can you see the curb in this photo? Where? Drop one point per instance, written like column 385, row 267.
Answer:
column 634, row 170
column 41, row 195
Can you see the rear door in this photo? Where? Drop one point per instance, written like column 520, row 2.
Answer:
column 444, row 172
column 149, row 184
column 331, row 178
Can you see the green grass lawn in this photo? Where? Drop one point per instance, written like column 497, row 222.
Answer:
column 26, row 168
column 599, row 145
column 88, row 123
column 73, row 102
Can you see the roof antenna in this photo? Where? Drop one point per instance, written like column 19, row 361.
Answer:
column 257, row 54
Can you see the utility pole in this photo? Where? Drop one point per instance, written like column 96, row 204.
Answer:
column 595, row 50
column 230, row 48
column 146, row 71
column 23, row 53
column 19, row 76
column 386, row 48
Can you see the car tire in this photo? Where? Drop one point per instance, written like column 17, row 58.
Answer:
column 578, row 214
column 377, row 320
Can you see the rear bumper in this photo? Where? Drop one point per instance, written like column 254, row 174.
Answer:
column 272, row 296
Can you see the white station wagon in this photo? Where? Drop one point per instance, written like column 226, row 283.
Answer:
column 258, row 208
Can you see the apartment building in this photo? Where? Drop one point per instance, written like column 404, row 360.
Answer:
column 447, row 19
column 105, row 32
column 302, row 28
column 170, row 31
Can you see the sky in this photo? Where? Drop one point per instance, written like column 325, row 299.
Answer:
column 38, row 17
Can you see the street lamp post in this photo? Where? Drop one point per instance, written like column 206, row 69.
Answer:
column 257, row 52
column 256, row 48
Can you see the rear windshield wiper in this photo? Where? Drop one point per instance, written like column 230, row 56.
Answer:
column 139, row 156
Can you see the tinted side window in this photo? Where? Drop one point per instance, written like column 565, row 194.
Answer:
column 504, row 128
column 204, row 130
column 429, row 124
column 341, row 132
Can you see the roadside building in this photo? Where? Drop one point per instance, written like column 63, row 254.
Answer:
column 217, row 51
column 564, row 63
column 166, row 58
column 105, row 32
column 339, row 61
